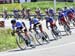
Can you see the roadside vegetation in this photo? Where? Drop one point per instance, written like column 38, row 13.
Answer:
column 43, row 5
column 7, row 41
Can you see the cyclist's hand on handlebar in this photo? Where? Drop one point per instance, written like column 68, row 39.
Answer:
column 12, row 33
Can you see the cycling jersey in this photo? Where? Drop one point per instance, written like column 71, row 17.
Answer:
column 70, row 14
column 34, row 21
column 51, row 21
column 17, row 25
column 61, row 17
column 65, row 12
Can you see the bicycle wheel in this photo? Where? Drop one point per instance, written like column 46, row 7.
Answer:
column 46, row 36
column 67, row 30
column 54, row 35
column 21, row 42
column 38, row 38
column 32, row 41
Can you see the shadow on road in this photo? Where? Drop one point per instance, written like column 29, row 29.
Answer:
column 28, row 48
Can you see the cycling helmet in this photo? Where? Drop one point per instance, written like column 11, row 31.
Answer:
column 37, row 10
column 30, row 18
column 13, row 21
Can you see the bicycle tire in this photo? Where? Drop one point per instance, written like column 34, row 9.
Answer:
column 38, row 39
column 67, row 30
column 18, row 39
column 46, row 36
column 32, row 41
column 54, row 36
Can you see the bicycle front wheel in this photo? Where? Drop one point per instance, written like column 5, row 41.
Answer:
column 46, row 36
column 38, row 38
column 21, row 42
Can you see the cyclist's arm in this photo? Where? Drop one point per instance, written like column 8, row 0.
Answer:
column 24, row 25
column 30, row 25
column 13, row 31
column 13, row 27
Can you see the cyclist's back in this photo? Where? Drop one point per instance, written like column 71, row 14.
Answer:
column 70, row 14
column 17, row 24
column 51, row 21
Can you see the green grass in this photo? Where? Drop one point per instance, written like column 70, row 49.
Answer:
column 33, row 5
column 46, row 4
column 6, row 40
column 10, row 7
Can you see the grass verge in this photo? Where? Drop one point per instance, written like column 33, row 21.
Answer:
column 6, row 40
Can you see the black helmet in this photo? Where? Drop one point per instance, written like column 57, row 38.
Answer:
column 13, row 21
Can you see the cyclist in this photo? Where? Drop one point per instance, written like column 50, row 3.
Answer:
column 20, row 27
column 51, row 12
column 52, row 22
column 16, row 13
column 27, row 13
column 36, row 23
column 23, row 13
column 5, row 14
column 70, row 15
column 38, row 13
column 62, row 19
column 47, row 11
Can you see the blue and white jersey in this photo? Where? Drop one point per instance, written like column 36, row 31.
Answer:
column 68, row 12
column 65, row 12
column 49, row 19
column 60, row 16
column 17, row 25
column 34, row 21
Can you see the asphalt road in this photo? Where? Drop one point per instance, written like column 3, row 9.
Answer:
column 61, row 47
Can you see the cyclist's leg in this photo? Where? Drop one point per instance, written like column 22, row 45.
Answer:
column 27, row 40
column 40, row 27
column 65, row 22
column 67, row 25
column 34, row 28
